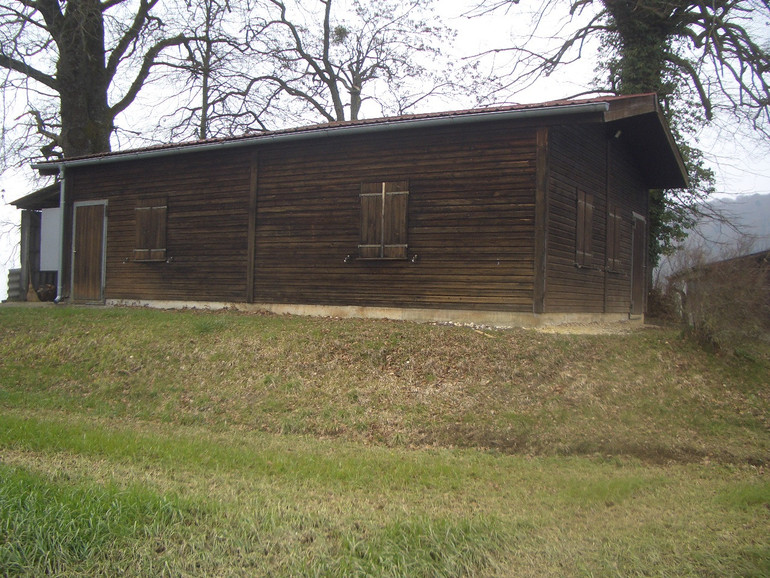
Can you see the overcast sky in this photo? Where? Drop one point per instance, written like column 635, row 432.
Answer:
column 740, row 160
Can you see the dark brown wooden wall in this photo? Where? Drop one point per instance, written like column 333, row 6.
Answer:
column 206, row 224
column 585, row 157
column 470, row 220
column 577, row 162
column 626, row 189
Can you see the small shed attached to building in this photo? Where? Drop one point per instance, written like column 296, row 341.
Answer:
column 515, row 215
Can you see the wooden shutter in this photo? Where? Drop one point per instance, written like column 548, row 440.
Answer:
column 150, row 230
column 143, row 230
column 396, row 195
column 584, row 233
column 383, row 220
column 371, row 221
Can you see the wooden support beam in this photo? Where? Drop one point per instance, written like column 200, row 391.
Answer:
column 541, row 220
column 252, row 233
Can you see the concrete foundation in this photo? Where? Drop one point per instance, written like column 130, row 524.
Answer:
column 500, row 319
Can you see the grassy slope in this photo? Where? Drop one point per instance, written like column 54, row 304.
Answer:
column 611, row 454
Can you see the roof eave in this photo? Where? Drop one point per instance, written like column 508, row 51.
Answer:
column 40, row 199
column 54, row 167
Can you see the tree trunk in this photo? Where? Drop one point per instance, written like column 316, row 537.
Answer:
column 355, row 101
column 85, row 114
column 644, row 37
column 206, row 57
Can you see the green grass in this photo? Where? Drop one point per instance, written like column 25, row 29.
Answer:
column 257, row 503
column 52, row 526
column 149, row 443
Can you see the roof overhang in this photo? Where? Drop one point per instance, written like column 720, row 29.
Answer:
column 639, row 122
column 45, row 198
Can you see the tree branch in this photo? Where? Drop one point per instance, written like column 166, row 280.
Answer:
column 130, row 35
column 29, row 71
column 147, row 63
column 51, row 12
column 688, row 68
column 307, row 97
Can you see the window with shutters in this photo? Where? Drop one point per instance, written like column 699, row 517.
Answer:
column 150, row 230
column 383, row 220
column 614, row 227
column 585, row 215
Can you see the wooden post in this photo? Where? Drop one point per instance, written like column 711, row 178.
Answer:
column 607, row 216
column 251, row 252
column 541, row 220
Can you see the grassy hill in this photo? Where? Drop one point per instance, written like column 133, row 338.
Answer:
column 188, row 443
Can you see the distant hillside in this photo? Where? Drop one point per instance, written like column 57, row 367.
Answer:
column 744, row 228
column 749, row 225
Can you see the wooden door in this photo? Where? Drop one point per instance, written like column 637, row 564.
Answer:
column 639, row 265
column 88, row 252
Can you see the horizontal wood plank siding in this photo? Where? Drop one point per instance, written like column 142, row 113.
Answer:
column 629, row 196
column 207, row 225
column 577, row 163
column 487, row 219
column 470, row 220
column 584, row 158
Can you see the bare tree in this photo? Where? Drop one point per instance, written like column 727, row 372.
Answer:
column 215, row 71
column 73, row 66
column 382, row 52
column 9, row 241
column 710, row 50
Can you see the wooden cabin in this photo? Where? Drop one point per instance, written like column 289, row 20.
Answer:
column 516, row 215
